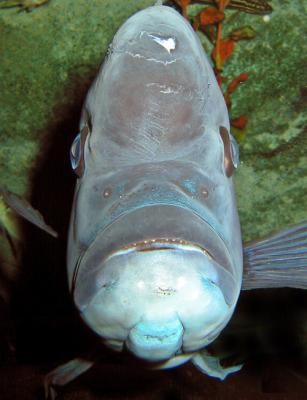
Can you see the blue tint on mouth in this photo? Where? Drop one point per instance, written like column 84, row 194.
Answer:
column 156, row 341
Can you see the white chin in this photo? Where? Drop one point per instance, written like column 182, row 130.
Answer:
column 158, row 302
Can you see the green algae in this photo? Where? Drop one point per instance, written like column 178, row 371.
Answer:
column 50, row 55
column 40, row 51
column 271, row 181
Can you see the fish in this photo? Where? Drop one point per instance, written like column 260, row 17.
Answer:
column 21, row 207
column 13, row 206
column 260, row 7
column 24, row 5
column 155, row 260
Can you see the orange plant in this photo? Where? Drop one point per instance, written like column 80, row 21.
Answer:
column 210, row 20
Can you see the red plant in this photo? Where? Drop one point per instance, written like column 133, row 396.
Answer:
column 208, row 16
column 210, row 20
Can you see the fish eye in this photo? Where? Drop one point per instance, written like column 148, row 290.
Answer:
column 231, row 151
column 75, row 152
column 235, row 153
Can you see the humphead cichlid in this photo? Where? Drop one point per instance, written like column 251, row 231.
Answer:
column 155, row 250
column 155, row 258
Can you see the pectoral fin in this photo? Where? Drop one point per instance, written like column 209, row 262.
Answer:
column 279, row 260
column 211, row 366
column 205, row 362
column 64, row 374
column 174, row 361
column 25, row 210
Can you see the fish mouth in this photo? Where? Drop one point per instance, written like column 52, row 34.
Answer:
column 161, row 244
column 159, row 280
column 158, row 297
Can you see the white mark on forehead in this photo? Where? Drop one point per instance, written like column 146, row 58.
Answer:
column 137, row 55
column 174, row 89
column 168, row 43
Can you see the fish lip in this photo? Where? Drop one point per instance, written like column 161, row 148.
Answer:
column 153, row 244
column 163, row 243
column 202, row 237
column 158, row 244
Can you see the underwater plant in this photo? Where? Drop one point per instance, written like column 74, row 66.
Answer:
column 248, row 6
column 210, row 21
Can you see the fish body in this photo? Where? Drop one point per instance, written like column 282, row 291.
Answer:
column 155, row 258
column 155, row 251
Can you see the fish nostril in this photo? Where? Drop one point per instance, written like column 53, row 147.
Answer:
column 204, row 192
column 107, row 192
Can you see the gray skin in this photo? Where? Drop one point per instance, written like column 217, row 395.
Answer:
column 155, row 251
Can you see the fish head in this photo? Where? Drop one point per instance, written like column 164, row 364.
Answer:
column 161, row 294
column 154, row 252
